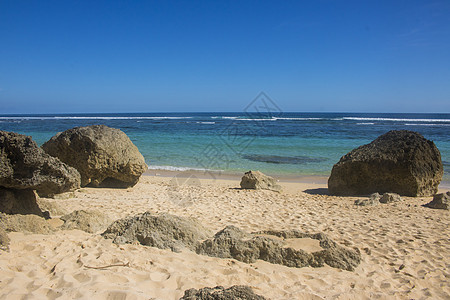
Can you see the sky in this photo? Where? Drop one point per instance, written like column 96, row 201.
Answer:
column 217, row 56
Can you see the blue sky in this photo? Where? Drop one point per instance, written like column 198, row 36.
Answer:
column 175, row 56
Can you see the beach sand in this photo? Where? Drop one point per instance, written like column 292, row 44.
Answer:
column 405, row 247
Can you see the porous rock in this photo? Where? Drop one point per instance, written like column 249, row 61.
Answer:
column 231, row 242
column 440, row 201
column 390, row 197
column 373, row 199
column 90, row 221
column 400, row 161
column 25, row 223
column 258, row 181
column 104, row 156
column 162, row 231
column 23, row 202
column 23, row 165
column 236, row 292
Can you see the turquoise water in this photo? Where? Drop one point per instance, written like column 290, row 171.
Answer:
column 285, row 144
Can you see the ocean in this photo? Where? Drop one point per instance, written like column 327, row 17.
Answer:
column 279, row 144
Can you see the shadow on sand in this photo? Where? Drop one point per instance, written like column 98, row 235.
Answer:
column 319, row 191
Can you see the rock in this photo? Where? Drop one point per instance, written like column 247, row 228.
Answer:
column 25, row 223
column 104, row 156
column 23, row 202
column 400, row 161
column 440, row 201
column 236, row 292
column 89, row 221
column 373, row 199
column 52, row 207
column 4, row 240
column 390, row 197
column 258, row 181
column 231, row 242
column 23, row 165
column 162, row 231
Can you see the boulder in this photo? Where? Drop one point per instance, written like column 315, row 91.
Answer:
column 390, row 197
column 23, row 165
column 258, row 181
column 236, row 292
column 104, row 156
column 4, row 239
column 231, row 242
column 440, row 201
column 23, row 202
column 400, row 161
column 162, row 231
column 90, row 221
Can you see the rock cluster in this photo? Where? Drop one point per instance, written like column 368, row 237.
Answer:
column 236, row 292
column 376, row 198
column 400, row 161
column 162, row 231
column 104, row 156
column 258, row 181
column 440, row 201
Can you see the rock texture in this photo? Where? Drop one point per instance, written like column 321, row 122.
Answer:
column 4, row 239
column 373, row 199
column 258, row 181
column 440, row 201
column 25, row 223
column 236, row 292
column 232, row 242
column 23, row 202
column 104, row 156
column 401, row 162
column 162, row 231
column 89, row 221
column 23, row 165
column 390, row 197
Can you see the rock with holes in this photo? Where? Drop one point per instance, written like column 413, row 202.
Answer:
column 25, row 166
column 236, row 292
column 440, row 201
column 400, row 161
column 258, row 181
column 104, row 156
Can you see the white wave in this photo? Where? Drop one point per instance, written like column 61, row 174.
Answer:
column 299, row 119
column 365, row 123
column 205, row 122
column 180, row 169
column 91, row 118
column 428, row 124
column 395, row 119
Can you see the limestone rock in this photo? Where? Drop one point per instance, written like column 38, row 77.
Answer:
column 90, row 221
column 231, row 242
column 373, row 199
column 23, row 202
column 104, row 156
column 440, row 201
column 236, row 292
column 162, row 231
column 4, row 239
column 25, row 223
column 258, row 181
column 390, row 197
column 23, row 165
column 400, row 161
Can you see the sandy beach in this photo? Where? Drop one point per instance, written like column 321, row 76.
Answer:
column 404, row 246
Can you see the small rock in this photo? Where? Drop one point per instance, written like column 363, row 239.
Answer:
column 390, row 197
column 440, row 201
column 256, row 180
column 90, row 221
column 236, row 292
column 4, row 240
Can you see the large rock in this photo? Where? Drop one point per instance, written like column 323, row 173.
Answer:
column 25, row 223
column 400, row 161
column 232, row 242
column 104, row 156
column 236, row 292
column 23, row 165
column 162, row 231
column 258, row 181
column 440, row 201
column 19, row 202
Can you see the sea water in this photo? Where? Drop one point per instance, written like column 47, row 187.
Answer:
column 287, row 144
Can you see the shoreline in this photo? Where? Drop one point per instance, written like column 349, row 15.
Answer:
column 216, row 175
